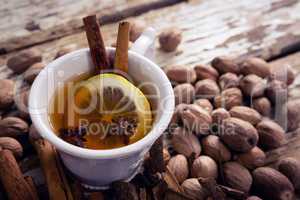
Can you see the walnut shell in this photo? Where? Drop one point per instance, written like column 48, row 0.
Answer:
column 11, row 144
column 23, row 60
column 205, row 104
column 245, row 113
column 136, row 29
column 169, row 39
column 269, row 183
column 252, row 159
column 206, row 72
column 214, row 147
column 229, row 98
column 271, row 135
column 224, row 64
column 283, row 73
column 253, row 86
column 229, row 80
column 184, row 93
column 196, row 119
column 12, row 127
column 31, row 73
column 238, row 135
column 204, row 167
column 290, row 167
column 181, row 74
column 6, row 93
column 256, row 66
column 293, row 118
column 179, row 166
column 192, row 188
column 206, row 89
column 263, row 106
column 218, row 115
column 236, row 176
column 185, row 142
column 277, row 92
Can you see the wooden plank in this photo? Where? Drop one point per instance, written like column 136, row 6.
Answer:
column 23, row 23
column 267, row 28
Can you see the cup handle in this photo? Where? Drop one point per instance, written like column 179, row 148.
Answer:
column 144, row 45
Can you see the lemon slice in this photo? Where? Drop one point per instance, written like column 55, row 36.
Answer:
column 109, row 98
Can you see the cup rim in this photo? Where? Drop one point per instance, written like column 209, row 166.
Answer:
column 61, row 145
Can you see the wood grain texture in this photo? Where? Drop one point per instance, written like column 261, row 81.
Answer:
column 25, row 23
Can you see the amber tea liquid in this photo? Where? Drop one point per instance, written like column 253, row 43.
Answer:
column 63, row 117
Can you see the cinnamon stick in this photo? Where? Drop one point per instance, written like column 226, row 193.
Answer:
column 121, row 55
column 96, row 44
column 12, row 178
column 58, row 186
column 31, row 184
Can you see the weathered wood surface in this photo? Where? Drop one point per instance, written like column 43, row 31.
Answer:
column 267, row 28
column 25, row 23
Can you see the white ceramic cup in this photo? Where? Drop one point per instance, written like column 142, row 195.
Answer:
column 99, row 168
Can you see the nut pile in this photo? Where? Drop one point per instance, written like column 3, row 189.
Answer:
column 227, row 116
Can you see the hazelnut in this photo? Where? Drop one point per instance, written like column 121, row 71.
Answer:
column 23, row 60
column 169, row 39
column 196, row 119
column 219, row 114
column 166, row 156
column 293, row 118
column 229, row 80
column 181, row 74
column 205, row 104
column 277, row 91
column 256, row 66
column 185, row 142
column 179, row 166
column 253, row 86
column 207, row 89
column 12, row 127
column 176, row 118
column 224, row 64
column 65, row 50
column 11, row 144
column 6, row 93
column 245, row 113
column 192, row 188
column 269, row 183
column 237, row 177
column 137, row 27
column 263, row 106
column 229, row 98
column 253, row 198
column 33, row 71
column 290, row 167
column 184, row 93
column 206, row 72
column 238, row 135
column 204, row 167
column 283, row 73
column 213, row 147
column 271, row 135
column 21, row 101
column 252, row 159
